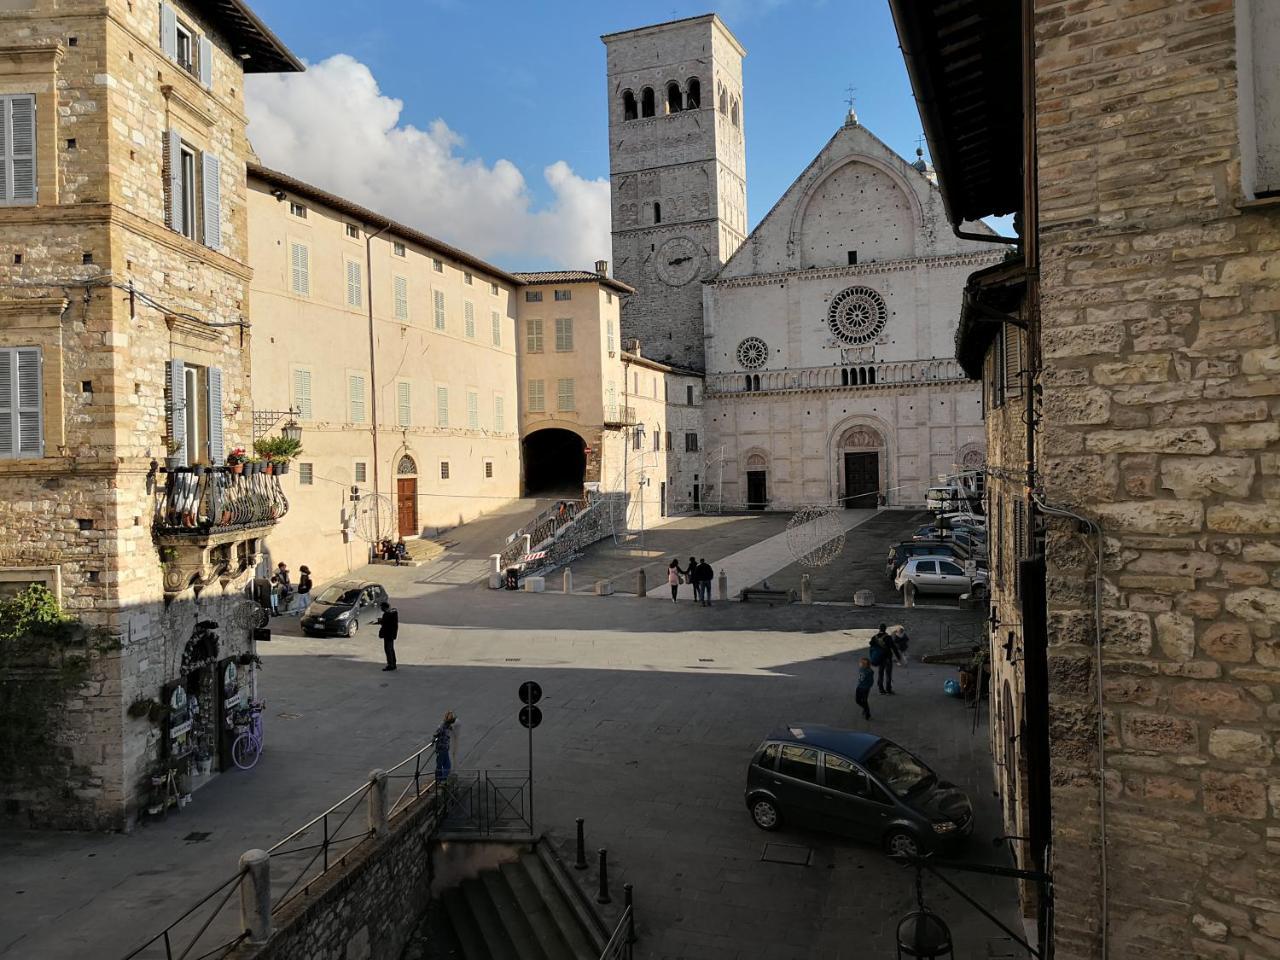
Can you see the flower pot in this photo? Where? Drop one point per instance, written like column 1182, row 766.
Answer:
column 172, row 463
column 282, row 468
column 237, row 468
column 270, row 469
column 204, row 765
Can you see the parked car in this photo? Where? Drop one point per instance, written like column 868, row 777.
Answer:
column 940, row 575
column 339, row 608
column 902, row 552
column 858, row 784
column 933, row 531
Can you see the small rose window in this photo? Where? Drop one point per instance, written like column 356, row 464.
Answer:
column 752, row 353
column 857, row 315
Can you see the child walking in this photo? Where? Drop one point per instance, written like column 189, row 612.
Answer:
column 866, row 677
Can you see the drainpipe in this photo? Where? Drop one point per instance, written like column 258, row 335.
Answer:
column 373, row 369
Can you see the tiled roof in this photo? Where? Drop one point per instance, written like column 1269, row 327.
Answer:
column 262, row 51
column 572, row 276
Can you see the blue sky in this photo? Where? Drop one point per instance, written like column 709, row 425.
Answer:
column 525, row 83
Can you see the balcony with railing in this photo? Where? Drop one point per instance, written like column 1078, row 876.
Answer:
column 866, row 376
column 617, row 417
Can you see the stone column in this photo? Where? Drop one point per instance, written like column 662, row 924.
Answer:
column 723, row 585
column 255, row 895
column 806, row 589
column 378, row 802
column 641, row 587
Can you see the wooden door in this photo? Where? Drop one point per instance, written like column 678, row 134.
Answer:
column 407, row 505
column 861, row 480
column 757, row 490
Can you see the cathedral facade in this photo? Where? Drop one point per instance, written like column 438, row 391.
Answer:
column 826, row 336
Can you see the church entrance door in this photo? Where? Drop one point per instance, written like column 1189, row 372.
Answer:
column 861, row 480
column 757, row 492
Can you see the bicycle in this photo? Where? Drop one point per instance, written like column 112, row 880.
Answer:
column 247, row 747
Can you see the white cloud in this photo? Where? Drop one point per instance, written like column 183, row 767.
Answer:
column 333, row 127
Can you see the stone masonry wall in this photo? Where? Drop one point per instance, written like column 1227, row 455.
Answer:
column 1161, row 384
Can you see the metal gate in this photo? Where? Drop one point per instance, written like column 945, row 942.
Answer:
column 485, row 803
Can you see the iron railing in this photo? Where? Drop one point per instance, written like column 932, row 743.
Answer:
column 179, row 939
column 542, row 528
column 621, row 942
column 619, row 416
column 199, row 501
column 480, row 802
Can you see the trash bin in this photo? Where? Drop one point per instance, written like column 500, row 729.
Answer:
column 512, row 579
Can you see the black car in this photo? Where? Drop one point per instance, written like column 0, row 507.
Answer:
column 858, row 784
column 340, row 607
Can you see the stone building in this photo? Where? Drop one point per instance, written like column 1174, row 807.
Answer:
column 1129, row 356
column 396, row 353
column 124, row 340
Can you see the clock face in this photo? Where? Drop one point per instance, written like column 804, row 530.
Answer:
column 678, row 261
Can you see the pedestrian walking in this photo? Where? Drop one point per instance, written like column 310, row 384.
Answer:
column 275, row 595
column 286, row 586
column 865, row 679
column 388, row 630
column 673, row 578
column 304, row 590
column 705, row 576
column 442, row 740
column 881, row 654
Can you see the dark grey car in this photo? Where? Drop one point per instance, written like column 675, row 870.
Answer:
column 339, row 608
column 857, row 784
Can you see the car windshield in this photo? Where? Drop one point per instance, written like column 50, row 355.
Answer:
column 900, row 771
column 340, row 594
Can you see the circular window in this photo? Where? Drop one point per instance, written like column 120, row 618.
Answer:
column 857, row 315
column 753, row 352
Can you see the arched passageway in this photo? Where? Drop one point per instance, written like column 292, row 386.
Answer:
column 555, row 461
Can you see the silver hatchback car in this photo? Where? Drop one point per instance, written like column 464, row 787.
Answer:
column 941, row 575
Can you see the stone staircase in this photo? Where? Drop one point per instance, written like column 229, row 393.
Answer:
column 527, row 909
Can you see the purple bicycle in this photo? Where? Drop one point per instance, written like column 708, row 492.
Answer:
column 247, row 747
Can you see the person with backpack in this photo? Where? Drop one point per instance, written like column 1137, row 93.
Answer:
column 881, row 654
column 865, row 679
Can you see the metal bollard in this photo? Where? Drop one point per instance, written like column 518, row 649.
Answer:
column 602, row 896
column 723, row 586
column 631, row 915
column 806, row 589
column 255, row 895
column 568, row 580
column 580, row 862
column 378, row 803
column 909, row 594
column 641, row 589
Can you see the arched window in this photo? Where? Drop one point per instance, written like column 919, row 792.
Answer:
column 657, row 212
column 628, row 105
column 733, row 111
column 844, row 378
column 406, row 467
column 675, row 100
column 755, row 381
column 724, row 101
column 862, row 376
column 646, row 102
column 693, row 94
column 871, row 375
column 748, row 381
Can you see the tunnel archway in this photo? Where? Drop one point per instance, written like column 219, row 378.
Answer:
column 555, row 461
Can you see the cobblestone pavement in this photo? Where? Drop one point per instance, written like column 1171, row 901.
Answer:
column 652, row 711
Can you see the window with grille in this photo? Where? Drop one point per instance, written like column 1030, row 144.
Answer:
column 564, row 394
column 488, row 469
column 437, row 265
column 302, row 392
column 473, row 410
column 499, row 414
column 467, row 279
column 404, row 408
column 495, row 320
column 469, row 319
column 564, row 335
column 400, row 293
column 398, row 249
column 361, row 471
column 444, row 469
column 690, row 443
column 537, row 396
column 442, row 406
column 21, row 403
column 533, row 296
column 354, row 294
column 533, row 336
column 438, row 298
column 306, row 474
column 564, row 294
column 355, row 391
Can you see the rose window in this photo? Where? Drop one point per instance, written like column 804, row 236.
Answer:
column 857, row 315
column 752, row 353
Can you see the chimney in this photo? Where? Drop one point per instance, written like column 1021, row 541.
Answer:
column 602, row 267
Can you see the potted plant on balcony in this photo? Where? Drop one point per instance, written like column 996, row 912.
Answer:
column 277, row 451
column 236, row 459
column 172, row 446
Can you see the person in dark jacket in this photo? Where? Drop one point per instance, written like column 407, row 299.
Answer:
column 882, row 653
column 388, row 630
column 865, row 679
column 304, row 590
column 705, row 576
column 443, row 741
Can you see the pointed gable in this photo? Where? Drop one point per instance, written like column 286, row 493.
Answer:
column 857, row 198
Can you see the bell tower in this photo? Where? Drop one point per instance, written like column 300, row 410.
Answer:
column 677, row 170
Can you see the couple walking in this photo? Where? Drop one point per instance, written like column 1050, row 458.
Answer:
column 884, row 649
column 698, row 573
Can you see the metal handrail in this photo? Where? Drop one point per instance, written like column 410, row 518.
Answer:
column 163, row 935
column 619, row 945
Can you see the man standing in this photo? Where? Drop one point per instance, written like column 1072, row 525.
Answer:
column 705, row 576
column 388, row 630
column 882, row 653
column 286, row 587
column 442, row 740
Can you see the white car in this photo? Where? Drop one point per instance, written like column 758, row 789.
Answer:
column 941, row 575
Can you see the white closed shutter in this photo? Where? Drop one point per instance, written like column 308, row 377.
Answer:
column 354, row 298
column 211, row 167
column 18, row 149
column 442, row 406
column 169, row 31
column 469, row 318
column 205, row 56
column 173, row 155
column 499, row 414
column 400, row 290
column 439, row 309
column 473, row 410
column 404, row 409
column 300, row 269
column 496, row 318
column 302, row 393
column 216, row 453
column 355, row 383
column 176, row 384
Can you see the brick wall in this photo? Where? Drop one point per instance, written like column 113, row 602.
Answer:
column 1159, row 300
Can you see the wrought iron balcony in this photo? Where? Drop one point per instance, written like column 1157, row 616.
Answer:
column 616, row 416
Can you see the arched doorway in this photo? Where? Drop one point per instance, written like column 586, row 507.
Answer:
column 407, row 497
column 555, row 461
column 757, row 481
column 861, row 458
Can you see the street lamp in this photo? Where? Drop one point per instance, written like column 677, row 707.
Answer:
column 291, row 430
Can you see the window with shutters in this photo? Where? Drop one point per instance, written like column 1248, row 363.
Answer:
column 564, row 335
column 400, row 294
column 564, row 294
column 473, row 410
column 300, row 269
column 469, row 319
column 361, row 471
column 533, row 296
column 17, row 150
column 442, row 406
column 499, row 413
column 355, row 397
column 355, row 295
column 533, row 336
column 537, row 396
column 193, row 407
column 608, row 337
column 302, row 392
column 438, row 299
column 1012, row 361
column 306, row 474
column 997, row 568
column 21, row 403
column 495, row 320
column 404, row 409
column 690, row 443
column 564, row 394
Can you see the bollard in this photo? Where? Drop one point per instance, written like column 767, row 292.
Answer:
column 495, row 561
column 806, row 589
column 631, row 912
column 602, row 896
column 641, row 589
column 527, row 544
column 909, row 594
column 255, row 895
column 568, row 580
column 378, row 803
column 723, row 585
column 580, row 862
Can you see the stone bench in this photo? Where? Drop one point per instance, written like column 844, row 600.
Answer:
column 752, row 594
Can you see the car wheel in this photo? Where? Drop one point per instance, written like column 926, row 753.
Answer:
column 352, row 627
column 765, row 813
column 900, row 843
